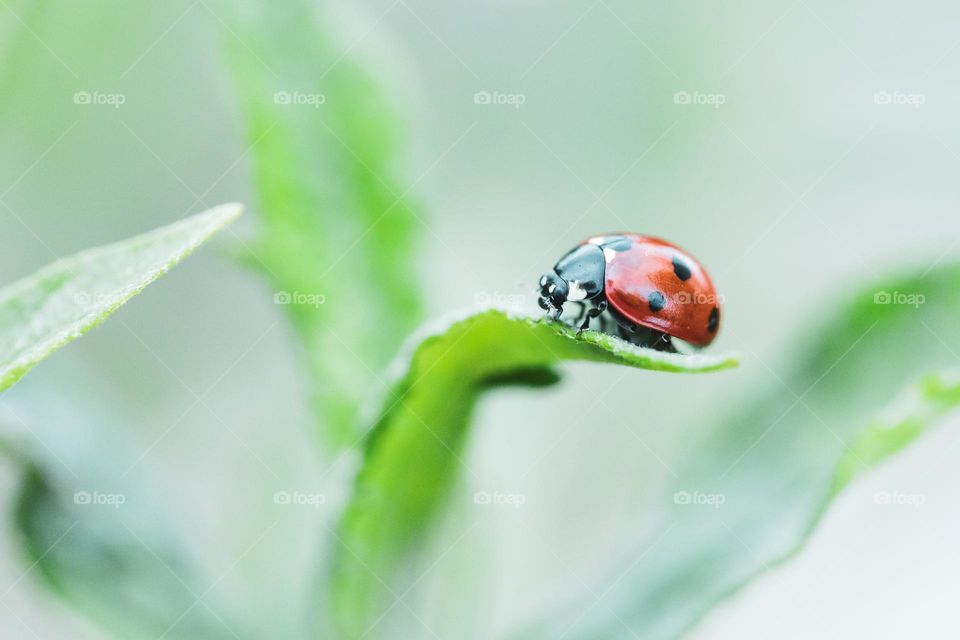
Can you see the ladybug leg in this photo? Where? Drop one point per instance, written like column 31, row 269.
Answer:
column 647, row 338
column 658, row 341
column 591, row 314
column 625, row 334
column 662, row 343
column 552, row 311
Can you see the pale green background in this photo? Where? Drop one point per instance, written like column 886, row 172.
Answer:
column 798, row 187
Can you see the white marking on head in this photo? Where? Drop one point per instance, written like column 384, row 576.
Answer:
column 543, row 280
column 551, row 288
column 576, row 292
column 609, row 254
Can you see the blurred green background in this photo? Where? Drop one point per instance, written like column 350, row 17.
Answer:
column 801, row 183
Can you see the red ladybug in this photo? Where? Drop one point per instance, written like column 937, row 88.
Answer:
column 653, row 290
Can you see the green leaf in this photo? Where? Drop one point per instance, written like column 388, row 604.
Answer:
column 413, row 449
column 58, row 304
column 916, row 410
column 136, row 583
column 95, row 534
column 132, row 584
column 780, row 459
column 336, row 223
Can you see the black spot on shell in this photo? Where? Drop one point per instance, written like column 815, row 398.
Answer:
column 714, row 320
column 656, row 301
column 681, row 269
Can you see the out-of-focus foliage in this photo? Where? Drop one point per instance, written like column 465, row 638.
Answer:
column 133, row 583
column 906, row 419
column 413, row 451
column 336, row 224
column 58, row 304
column 97, row 536
column 780, row 460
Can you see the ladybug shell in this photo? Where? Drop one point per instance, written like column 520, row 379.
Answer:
column 656, row 284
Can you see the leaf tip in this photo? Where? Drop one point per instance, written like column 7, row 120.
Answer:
column 226, row 213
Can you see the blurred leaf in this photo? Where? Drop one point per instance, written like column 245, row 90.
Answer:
column 16, row 45
column 93, row 532
column 904, row 421
column 45, row 311
column 87, row 551
column 413, row 450
column 336, row 224
column 781, row 459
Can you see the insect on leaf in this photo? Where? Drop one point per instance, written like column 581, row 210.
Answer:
column 775, row 465
column 413, row 451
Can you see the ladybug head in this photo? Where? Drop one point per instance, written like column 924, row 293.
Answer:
column 553, row 291
column 578, row 276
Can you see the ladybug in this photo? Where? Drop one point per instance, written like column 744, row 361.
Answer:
column 651, row 291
